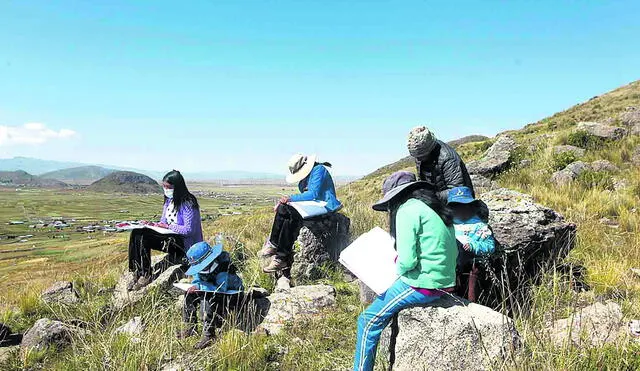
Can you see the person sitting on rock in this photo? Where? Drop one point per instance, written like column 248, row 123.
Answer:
column 422, row 226
column 180, row 214
column 437, row 162
column 215, row 290
column 474, row 238
column 317, row 197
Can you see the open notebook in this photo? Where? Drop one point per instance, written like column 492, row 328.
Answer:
column 371, row 258
column 139, row 226
column 309, row 209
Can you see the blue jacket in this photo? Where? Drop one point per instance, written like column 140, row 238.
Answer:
column 476, row 233
column 318, row 186
column 223, row 282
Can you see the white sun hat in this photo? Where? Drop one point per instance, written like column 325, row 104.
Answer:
column 300, row 167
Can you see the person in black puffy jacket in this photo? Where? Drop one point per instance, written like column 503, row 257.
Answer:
column 437, row 162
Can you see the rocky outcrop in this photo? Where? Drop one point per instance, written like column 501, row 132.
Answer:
column 574, row 169
column 496, row 159
column 319, row 243
column 449, row 334
column 635, row 157
column 47, row 333
column 569, row 173
column 595, row 325
column 134, row 327
column 529, row 236
column 603, row 165
column 295, row 303
column 631, row 119
column 577, row 151
column 482, row 184
column 602, row 131
column 165, row 277
column 61, row 292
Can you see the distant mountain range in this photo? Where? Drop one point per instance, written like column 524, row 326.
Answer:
column 83, row 174
column 20, row 178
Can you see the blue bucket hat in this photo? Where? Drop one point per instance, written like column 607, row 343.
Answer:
column 461, row 195
column 395, row 185
column 201, row 255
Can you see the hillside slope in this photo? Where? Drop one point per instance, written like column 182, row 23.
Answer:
column 126, row 182
column 82, row 175
column 607, row 249
column 20, row 178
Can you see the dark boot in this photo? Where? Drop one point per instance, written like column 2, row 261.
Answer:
column 205, row 341
column 186, row 332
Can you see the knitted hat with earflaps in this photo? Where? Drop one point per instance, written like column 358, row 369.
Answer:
column 421, row 142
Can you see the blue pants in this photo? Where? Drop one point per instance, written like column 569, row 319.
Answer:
column 378, row 315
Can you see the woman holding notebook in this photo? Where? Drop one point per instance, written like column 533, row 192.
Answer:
column 317, row 197
column 426, row 264
column 181, row 215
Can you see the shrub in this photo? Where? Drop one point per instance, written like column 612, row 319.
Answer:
column 583, row 139
column 562, row 159
column 596, row 179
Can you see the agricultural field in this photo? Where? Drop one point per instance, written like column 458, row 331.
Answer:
column 48, row 235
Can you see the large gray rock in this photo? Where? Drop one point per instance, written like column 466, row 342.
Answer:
column 602, row 131
column 122, row 297
column 319, row 243
column 367, row 296
column 635, row 157
column 296, row 303
column 134, row 327
column 631, row 119
column 450, row 334
column 529, row 236
column 496, row 159
column 49, row 333
column 577, row 151
column 595, row 325
column 569, row 173
column 603, row 165
column 61, row 292
column 482, row 184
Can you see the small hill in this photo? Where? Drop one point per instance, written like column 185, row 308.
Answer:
column 82, row 175
column 468, row 139
column 126, row 182
column 21, row 178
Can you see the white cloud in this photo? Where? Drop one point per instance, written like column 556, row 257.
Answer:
column 31, row 133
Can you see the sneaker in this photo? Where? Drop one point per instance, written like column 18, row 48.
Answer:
column 275, row 265
column 267, row 250
column 186, row 332
column 204, row 341
column 142, row 282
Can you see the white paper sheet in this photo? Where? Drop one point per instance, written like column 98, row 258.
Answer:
column 371, row 258
column 185, row 286
column 157, row 229
column 309, row 209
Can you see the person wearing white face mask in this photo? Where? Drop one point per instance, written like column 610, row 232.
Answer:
column 181, row 214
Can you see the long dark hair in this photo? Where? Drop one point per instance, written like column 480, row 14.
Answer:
column 426, row 195
column 327, row 164
column 181, row 194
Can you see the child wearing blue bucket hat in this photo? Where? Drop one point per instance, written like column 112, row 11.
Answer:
column 473, row 234
column 215, row 289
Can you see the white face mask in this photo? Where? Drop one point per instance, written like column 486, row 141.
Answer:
column 168, row 193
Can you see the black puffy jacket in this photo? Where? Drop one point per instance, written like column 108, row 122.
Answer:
column 445, row 169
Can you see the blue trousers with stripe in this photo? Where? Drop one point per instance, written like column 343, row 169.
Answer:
column 378, row 315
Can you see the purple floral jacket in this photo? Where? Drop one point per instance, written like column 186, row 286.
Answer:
column 189, row 224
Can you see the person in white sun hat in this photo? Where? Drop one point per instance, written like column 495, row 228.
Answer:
column 317, row 197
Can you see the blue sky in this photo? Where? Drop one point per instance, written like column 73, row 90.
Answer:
column 220, row 85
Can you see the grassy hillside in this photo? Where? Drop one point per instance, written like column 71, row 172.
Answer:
column 607, row 251
column 82, row 175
